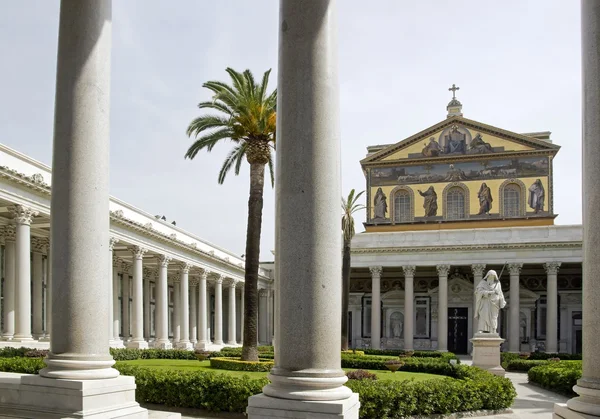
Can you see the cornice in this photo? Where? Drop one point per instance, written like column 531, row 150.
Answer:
column 475, row 247
column 34, row 182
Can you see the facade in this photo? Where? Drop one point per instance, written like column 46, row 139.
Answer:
column 200, row 306
column 444, row 206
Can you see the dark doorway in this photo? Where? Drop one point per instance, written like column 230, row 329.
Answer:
column 458, row 324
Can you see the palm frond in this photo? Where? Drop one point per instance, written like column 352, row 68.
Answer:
column 234, row 155
column 204, row 122
column 271, row 169
column 208, row 142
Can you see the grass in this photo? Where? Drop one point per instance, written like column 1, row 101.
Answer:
column 188, row 365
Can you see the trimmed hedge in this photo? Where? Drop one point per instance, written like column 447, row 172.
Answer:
column 236, row 364
column 562, row 356
column 412, row 364
column 128, row 354
column 523, row 365
column 557, row 376
column 417, row 354
column 9, row 352
column 353, row 352
column 22, row 365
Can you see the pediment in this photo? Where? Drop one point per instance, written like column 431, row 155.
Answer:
column 456, row 137
column 457, row 284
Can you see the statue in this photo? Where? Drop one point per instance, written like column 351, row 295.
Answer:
column 432, row 149
column 396, row 324
column 536, row 196
column 478, row 146
column 430, row 202
column 455, row 141
column 489, row 301
column 485, row 199
column 380, row 202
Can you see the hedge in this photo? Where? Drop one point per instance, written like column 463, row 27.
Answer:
column 412, row 364
column 236, row 364
column 557, row 376
column 22, row 365
column 523, row 365
column 417, row 354
column 127, row 354
column 562, row 356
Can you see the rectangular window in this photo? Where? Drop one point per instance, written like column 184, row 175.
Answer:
column 422, row 317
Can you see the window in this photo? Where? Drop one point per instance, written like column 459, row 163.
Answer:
column 512, row 200
column 541, row 318
column 456, row 204
column 421, row 320
column 402, row 206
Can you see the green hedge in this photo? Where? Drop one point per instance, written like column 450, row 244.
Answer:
column 563, row 357
column 22, row 365
column 417, row 354
column 13, row 352
column 557, row 376
column 523, row 365
column 236, row 364
column 413, row 364
column 128, row 354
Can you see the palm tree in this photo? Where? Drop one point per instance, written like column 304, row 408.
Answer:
column 247, row 118
column 349, row 207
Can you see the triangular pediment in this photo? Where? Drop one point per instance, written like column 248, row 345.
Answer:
column 458, row 137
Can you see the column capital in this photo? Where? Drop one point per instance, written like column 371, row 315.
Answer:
column 442, row 270
column 263, row 292
column 39, row 244
column 163, row 260
column 375, row 270
column 147, row 272
column 552, row 267
column 9, row 233
column 138, row 252
column 231, row 283
column 204, row 274
column 117, row 263
column 515, row 268
column 478, row 269
column 219, row 279
column 409, row 270
column 185, row 267
column 193, row 281
column 173, row 279
column 22, row 214
column 111, row 243
column 125, row 267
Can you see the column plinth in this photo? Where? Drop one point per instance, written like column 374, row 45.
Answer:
column 514, row 341
column 409, row 278
column 442, row 271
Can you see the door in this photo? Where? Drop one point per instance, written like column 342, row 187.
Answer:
column 458, row 324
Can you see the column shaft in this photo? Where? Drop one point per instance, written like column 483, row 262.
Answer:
column 162, row 305
column 219, row 311
column 184, row 308
column 176, row 312
column 203, row 339
column 552, row 307
column 231, row 334
column 116, row 306
column 193, row 315
column 477, row 277
column 262, row 316
column 147, row 331
column 514, row 341
column 125, row 299
column 375, row 307
column 242, row 314
column 443, row 307
column 38, row 295
column 80, row 180
column 409, row 298
column 111, row 243
column 137, row 310
column 9, row 284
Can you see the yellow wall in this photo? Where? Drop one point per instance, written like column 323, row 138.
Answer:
column 473, row 185
column 493, row 140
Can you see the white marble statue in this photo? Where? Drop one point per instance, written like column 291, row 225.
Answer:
column 489, row 301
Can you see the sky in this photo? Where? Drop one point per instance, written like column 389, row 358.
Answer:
column 517, row 63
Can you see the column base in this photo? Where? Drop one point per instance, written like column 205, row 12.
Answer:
column 486, row 352
column 261, row 406
column 162, row 344
column 45, row 338
column 29, row 396
column 218, row 342
column 7, row 338
column 185, row 345
column 562, row 411
column 234, row 343
column 23, row 339
column 202, row 345
column 587, row 405
column 116, row 343
column 67, row 367
column 137, row 344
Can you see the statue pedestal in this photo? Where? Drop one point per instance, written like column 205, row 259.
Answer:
column 486, row 352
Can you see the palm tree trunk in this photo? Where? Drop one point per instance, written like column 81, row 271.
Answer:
column 345, row 293
column 255, row 206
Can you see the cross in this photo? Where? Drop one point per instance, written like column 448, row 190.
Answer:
column 454, row 89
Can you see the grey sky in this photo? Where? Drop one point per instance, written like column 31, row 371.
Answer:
column 517, row 64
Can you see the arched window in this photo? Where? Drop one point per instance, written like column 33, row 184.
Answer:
column 455, row 203
column 511, row 206
column 402, row 206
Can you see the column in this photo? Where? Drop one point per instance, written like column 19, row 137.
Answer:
column 111, row 290
column 588, row 386
column 375, row 306
column 308, row 240
column 242, row 316
column 38, row 246
column 262, row 315
column 477, row 270
column 116, row 306
column 147, row 333
column 269, row 316
column 176, row 311
column 48, row 292
column 442, row 271
column 194, row 315
column 137, row 307
column 231, row 334
column 9, row 282
column 552, row 307
column 514, row 342
column 184, row 307
column 219, row 310
column 162, row 305
column 125, row 299
column 80, row 181
column 22, row 217
column 409, row 301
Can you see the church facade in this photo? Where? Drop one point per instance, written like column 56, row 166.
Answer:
column 446, row 205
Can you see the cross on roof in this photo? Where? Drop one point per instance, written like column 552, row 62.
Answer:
column 453, row 89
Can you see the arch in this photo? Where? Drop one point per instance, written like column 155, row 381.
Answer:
column 456, row 190
column 506, row 209
column 409, row 206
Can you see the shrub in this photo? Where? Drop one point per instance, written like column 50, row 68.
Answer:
column 36, row 353
column 523, row 365
column 266, row 348
column 236, row 364
column 127, row 354
column 22, row 365
column 9, row 352
column 506, row 357
column 557, row 376
column 354, row 352
column 564, row 357
column 361, row 375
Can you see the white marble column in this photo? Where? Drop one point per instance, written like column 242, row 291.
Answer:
column 48, row 293
column 442, row 271
column 125, row 301
column 22, row 217
column 162, row 304
column 137, row 310
column 116, row 307
column 231, row 331
column 194, row 314
column 184, row 307
column 263, row 294
column 375, row 306
column 38, row 246
column 147, row 332
column 111, row 291
column 176, row 311
column 477, row 270
column 219, row 310
column 552, row 307
column 514, row 341
column 9, row 282
column 409, row 306
column 80, row 182
column 308, row 242
column 241, row 313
